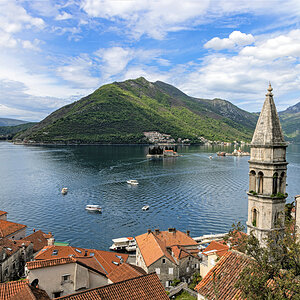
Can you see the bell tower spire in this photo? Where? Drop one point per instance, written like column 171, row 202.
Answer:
column 267, row 176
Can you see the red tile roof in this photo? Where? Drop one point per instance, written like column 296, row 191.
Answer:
column 153, row 245
column 3, row 213
column 31, row 265
column 105, row 261
column 147, row 287
column 224, row 275
column 9, row 289
column 7, row 228
column 10, row 247
column 216, row 247
column 39, row 240
column 29, row 292
column 125, row 271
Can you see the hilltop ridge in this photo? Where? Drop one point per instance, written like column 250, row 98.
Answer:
column 121, row 111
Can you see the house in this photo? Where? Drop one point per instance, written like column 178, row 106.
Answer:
column 146, row 287
column 219, row 283
column 125, row 271
column 171, row 254
column 210, row 255
column 21, row 290
column 12, row 230
column 13, row 256
column 62, row 270
column 39, row 239
column 63, row 276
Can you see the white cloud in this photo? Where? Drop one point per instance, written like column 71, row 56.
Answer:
column 77, row 71
column 244, row 77
column 31, row 45
column 63, row 16
column 235, row 39
column 157, row 18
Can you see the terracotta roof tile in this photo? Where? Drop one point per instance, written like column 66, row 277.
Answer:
column 125, row 271
column 7, row 228
column 216, row 247
column 147, row 287
column 39, row 240
column 224, row 276
column 105, row 261
column 36, row 264
column 10, row 247
column 9, row 289
column 30, row 293
column 3, row 213
column 154, row 245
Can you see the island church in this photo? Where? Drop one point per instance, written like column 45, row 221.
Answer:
column 267, row 173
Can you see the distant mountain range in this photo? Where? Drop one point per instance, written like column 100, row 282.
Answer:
column 11, row 122
column 120, row 112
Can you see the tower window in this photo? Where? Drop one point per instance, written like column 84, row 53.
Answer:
column 254, row 217
column 281, row 183
column 275, row 183
column 252, row 181
column 260, row 183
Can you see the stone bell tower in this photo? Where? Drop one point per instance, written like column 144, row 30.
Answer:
column 267, row 173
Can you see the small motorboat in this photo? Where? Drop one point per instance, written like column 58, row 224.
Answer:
column 132, row 181
column 93, row 207
column 210, row 157
column 145, row 207
column 64, row 191
column 122, row 244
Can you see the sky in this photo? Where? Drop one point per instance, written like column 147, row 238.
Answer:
column 52, row 53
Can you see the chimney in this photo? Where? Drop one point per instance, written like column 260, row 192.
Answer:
column 188, row 233
column 85, row 253
column 149, row 231
column 33, row 229
column 172, row 229
column 156, row 231
column 51, row 241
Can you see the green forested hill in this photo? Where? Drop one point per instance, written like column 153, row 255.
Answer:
column 120, row 112
column 7, row 132
column 290, row 122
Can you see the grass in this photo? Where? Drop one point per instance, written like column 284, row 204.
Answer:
column 184, row 296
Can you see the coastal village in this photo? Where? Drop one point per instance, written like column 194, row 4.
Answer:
column 166, row 262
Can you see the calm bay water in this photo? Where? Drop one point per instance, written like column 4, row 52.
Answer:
column 189, row 192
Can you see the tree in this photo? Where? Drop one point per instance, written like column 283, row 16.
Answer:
column 275, row 269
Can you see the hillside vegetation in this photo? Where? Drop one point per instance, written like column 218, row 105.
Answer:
column 290, row 122
column 120, row 112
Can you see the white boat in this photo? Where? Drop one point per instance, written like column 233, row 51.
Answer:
column 64, row 190
column 122, row 244
column 145, row 207
column 93, row 207
column 132, row 181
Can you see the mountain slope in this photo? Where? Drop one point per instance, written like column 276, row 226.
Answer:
column 120, row 112
column 7, row 132
column 290, row 122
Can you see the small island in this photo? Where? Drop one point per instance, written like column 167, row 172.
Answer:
column 162, row 151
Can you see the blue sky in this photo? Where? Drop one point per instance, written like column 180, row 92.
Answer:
column 55, row 52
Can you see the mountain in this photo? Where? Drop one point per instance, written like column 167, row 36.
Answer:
column 7, row 132
column 11, row 122
column 290, row 122
column 120, row 112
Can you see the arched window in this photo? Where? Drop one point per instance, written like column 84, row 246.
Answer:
column 281, row 182
column 275, row 184
column 254, row 217
column 277, row 221
column 252, row 181
column 260, row 182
